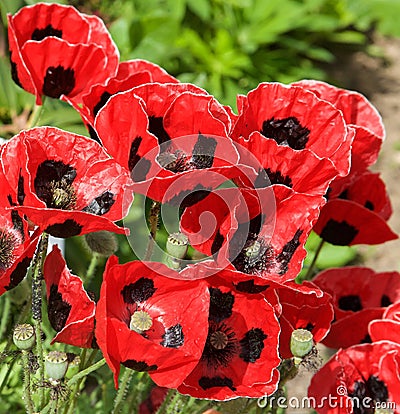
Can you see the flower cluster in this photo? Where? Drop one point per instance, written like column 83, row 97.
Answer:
column 249, row 188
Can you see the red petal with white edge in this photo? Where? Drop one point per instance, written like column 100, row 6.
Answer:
column 326, row 130
column 387, row 328
column 346, row 223
column 68, row 223
column 71, row 311
column 59, row 68
column 157, row 73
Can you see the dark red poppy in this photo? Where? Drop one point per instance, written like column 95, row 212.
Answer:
column 130, row 74
column 154, row 400
column 358, row 215
column 171, row 138
column 359, row 295
column 70, row 309
column 360, row 379
column 259, row 233
column 240, row 357
column 302, row 171
column 149, row 322
column 303, row 307
column 57, row 51
column 359, row 114
column 387, row 328
column 65, row 183
column 295, row 117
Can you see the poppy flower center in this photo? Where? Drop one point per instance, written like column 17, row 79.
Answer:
column 140, row 322
column 287, row 131
column 53, row 184
column 374, row 389
column 219, row 340
column 8, row 242
column 221, row 345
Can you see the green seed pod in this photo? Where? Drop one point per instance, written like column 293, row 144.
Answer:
column 102, row 242
column 24, row 336
column 56, row 364
column 301, row 342
column 177, row 245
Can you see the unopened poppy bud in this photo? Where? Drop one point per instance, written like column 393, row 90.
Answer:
column 24, row 336
column 56, row 364
column 301, row 342
column 73, row 366
column 177, row 245
column 102, row 242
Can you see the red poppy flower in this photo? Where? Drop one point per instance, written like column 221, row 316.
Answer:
column 152, row 323
column 169, row 155
column 67, row 185
column 259, row 233
column 359, row 114
column 359, row 379
column 359, row 215
column 359, row 295
column 70, row 309
column 302, row 308
column 278, row 164
column 295, row 117
column 57, row 51
column 387, row 328
column 240, row 357
column 130, row 74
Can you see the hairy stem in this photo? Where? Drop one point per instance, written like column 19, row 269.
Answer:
column 122, row 390
column 27, row 383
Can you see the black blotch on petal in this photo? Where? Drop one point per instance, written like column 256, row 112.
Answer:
column 252, row 345
column 369, row 205
column 20, row 190
column 139, row 365
column 250, row 287
column 350, row 303
column 18, row 274
column 14, row 71
column 105, row 96
column 221, row 305
column 344, row 195
column 203, row 152
column 49, row 30
column 133, row 153
column 58, row 310
column 138, row 166
column 101, row 204
column 374, row 389
column 267, row 177
column 188, row 198
column 58, row 81
column 68, row 228
column 18, row 223
column 93, row 134
column 377, row 389
column 287, row 131
column 366, row 340
column 309, row 326
column 207, row 383
column 385, row 301
column 156, row 127
column 339, row 233
column 288, row 251
column 139, row 291
column 217, row 243
column 173, row 337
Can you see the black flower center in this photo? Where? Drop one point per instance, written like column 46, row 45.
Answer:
column 49, row 30
column 350, row 302
column 53, row 184
column 374, row 389
column 58, row 81
column 221, row 345
column 8, row 241
column 287, row 131
column 266, row 177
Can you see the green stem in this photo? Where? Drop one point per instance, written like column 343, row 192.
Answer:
column 27, row 383
column 82, row 374
column 37, row 278
column 36, row 113
column 5, row 316
column 310, row 272
column 153, row 222
column 90, row 273
column 122, row 390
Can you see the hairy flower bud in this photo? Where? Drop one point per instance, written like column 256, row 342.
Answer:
column 102, row 242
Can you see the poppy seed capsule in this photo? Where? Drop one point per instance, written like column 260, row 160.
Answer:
column 56, row 364
column 24, row 336
column 301, row 342
column 177, row 245
column 140, row 322
column 102, row 242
